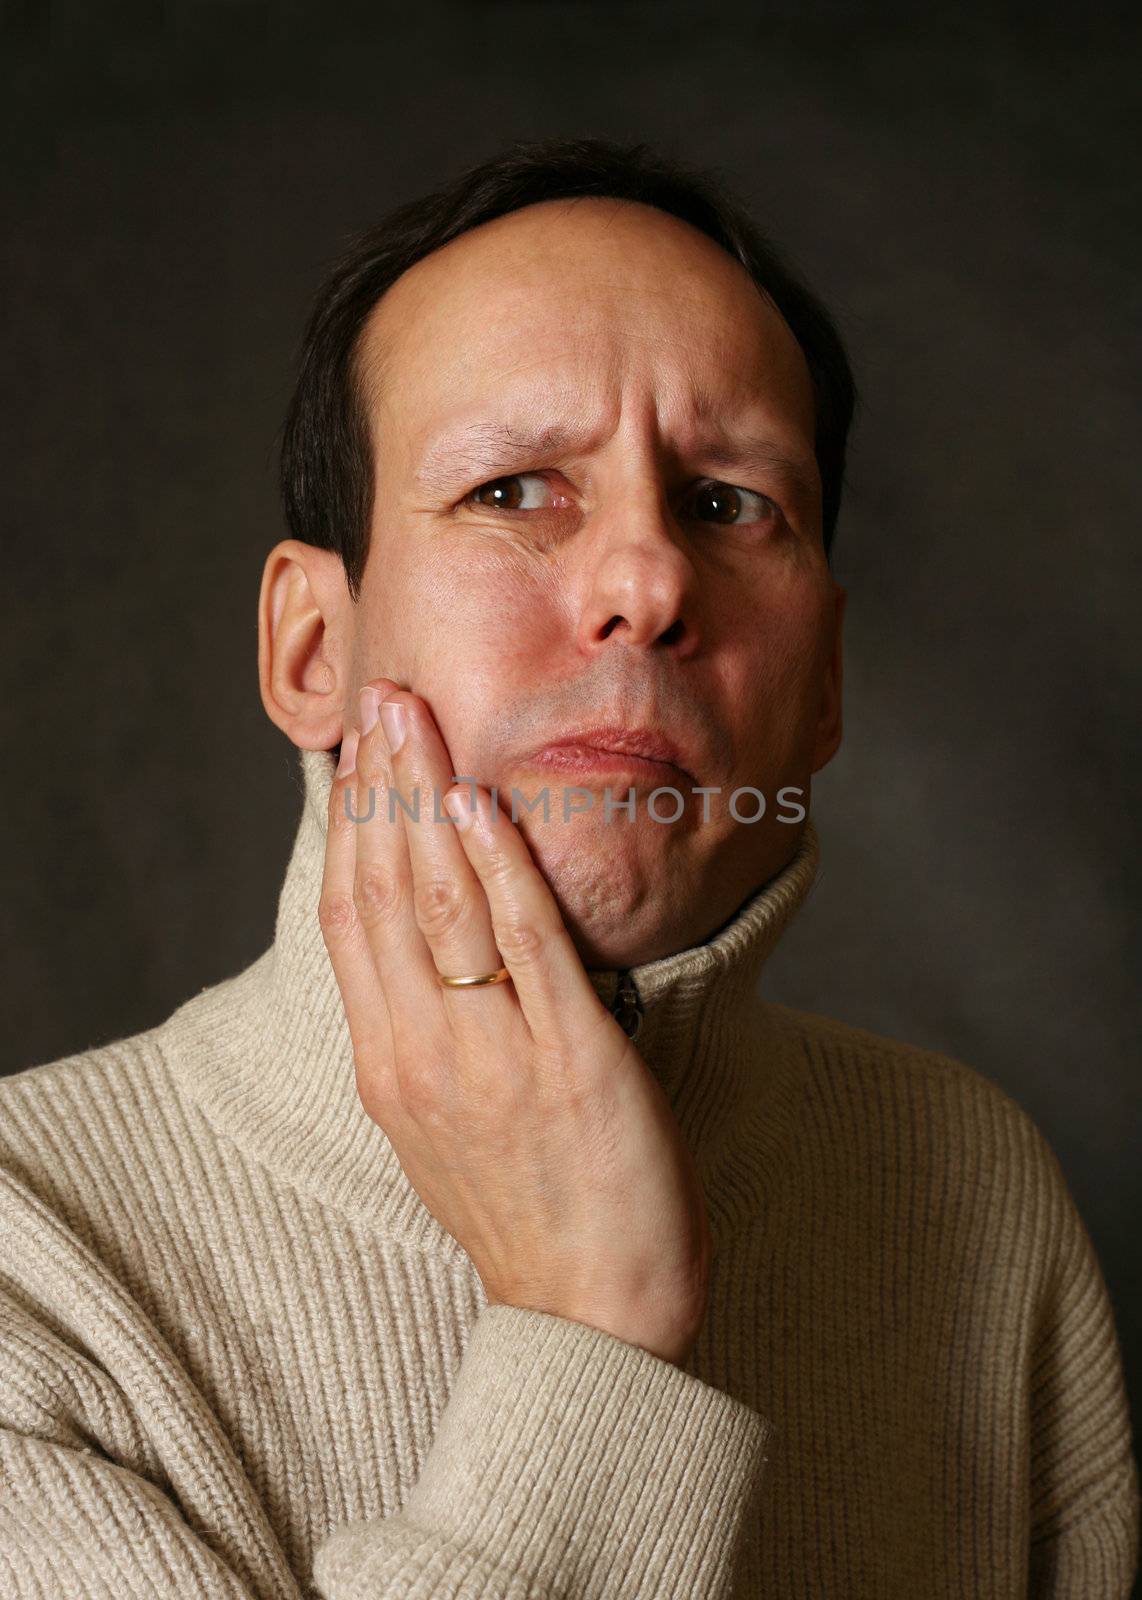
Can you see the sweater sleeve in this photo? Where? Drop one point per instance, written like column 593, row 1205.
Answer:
column 116, row 1480
column 74, row 1524
column 1084, row 1492
column 88, row 1508
column 566, row 1463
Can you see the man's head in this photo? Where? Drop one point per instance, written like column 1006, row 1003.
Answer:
column 567, row 450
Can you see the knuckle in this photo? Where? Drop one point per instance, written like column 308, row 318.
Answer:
column 419, row 1092
column 440, row 907
column 521, row 941
column 372, row 758
column 376, row 1083
column 376, row 1093
column 376, row 894
column 336, row 915
column 498, row 866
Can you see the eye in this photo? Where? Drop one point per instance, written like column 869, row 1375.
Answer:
column 723, row 502
column 504, row 494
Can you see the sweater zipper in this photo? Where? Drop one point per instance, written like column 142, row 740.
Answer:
column 627, row 1007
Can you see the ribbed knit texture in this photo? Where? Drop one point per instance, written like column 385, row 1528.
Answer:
column 239, row 1357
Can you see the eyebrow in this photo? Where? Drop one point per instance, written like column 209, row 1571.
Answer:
column 486, row 446
column 766, row 459
column 481, row 445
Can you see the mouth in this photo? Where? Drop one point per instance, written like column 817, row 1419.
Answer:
column 639, row 754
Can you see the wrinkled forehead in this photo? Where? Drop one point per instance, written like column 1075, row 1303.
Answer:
column 589, row 308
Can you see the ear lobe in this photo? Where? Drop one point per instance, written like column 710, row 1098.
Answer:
column 305, row 619
column 830, row 725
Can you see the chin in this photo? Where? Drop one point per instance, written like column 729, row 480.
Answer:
column 610, row 880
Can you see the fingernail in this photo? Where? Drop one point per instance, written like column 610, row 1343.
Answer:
column 393, row 722
column 370, row 699
column 349, row 741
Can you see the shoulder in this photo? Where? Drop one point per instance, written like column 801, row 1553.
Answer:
column 79, row 1120
column 107, row 1072
column 910, row 1095
column 88, row 1140
column 74, row 1088
column 989, row 1205
column 115, row 1105
column 876, row 1054
column 986, row 1194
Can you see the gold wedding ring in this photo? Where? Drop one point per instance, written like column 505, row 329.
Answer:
column 502, row 976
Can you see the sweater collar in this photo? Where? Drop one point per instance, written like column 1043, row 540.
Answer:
column 267, row 1054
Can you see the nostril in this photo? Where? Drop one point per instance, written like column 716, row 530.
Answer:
column 670, row 635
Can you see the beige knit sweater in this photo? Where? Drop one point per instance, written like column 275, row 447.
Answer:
column 238, row 1356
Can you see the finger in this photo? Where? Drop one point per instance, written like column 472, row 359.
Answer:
column 551, row 983
column 448, row 899
column 383, row 886
column 348, row 948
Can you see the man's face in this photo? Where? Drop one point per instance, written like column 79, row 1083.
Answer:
column 569, row 530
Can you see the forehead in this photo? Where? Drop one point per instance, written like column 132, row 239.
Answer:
column 589, row 306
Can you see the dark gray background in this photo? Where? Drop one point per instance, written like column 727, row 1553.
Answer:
column 961, row 193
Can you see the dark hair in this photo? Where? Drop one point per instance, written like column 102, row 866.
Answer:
column 326, row 457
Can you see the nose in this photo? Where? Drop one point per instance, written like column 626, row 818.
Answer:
column 640, row 586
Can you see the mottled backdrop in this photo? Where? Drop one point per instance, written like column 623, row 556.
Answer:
column 963, row 191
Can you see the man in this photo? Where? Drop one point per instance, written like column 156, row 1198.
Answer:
column 591, row 1274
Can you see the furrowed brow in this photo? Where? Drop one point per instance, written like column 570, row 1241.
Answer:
column 762, row 457
column 486, row 446
column 490, row 447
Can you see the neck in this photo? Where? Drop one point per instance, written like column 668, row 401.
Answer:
column 267, row 1053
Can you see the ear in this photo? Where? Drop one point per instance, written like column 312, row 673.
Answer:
column 829, row 726
column 306, row 619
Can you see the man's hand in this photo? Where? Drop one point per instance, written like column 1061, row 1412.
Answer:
column 520, row 1112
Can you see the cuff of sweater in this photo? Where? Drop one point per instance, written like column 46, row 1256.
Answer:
column 566, row 1461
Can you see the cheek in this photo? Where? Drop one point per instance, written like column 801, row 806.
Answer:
column 469, row 632
column 483, row 612
column 439, row 609
column 780, row 662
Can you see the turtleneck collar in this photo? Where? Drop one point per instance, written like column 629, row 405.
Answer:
column 267, row 1054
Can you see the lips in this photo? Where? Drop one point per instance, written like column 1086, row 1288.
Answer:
column 638, row 749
